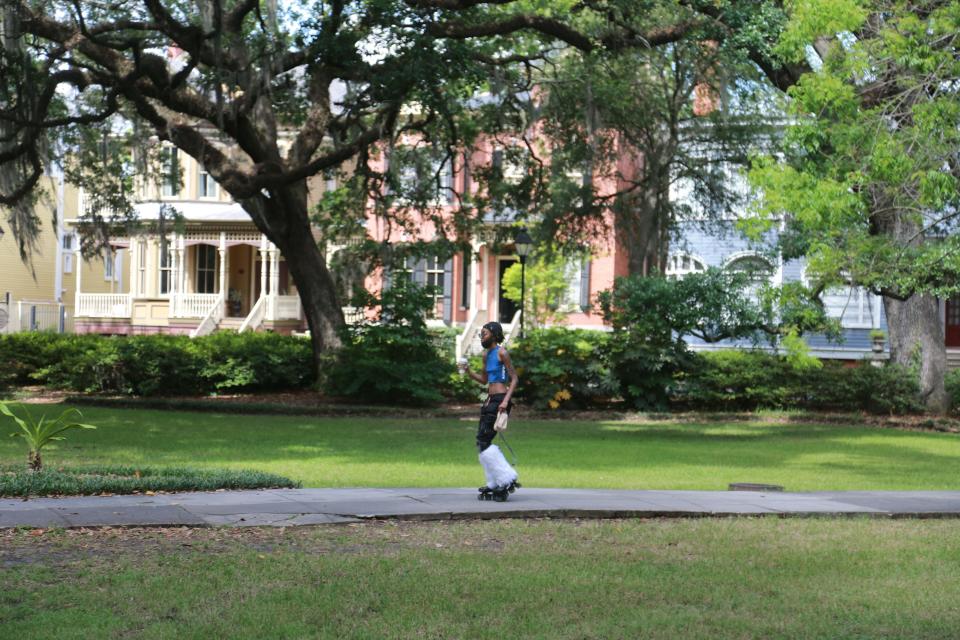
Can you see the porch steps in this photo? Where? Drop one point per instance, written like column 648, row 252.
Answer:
column 229, row 324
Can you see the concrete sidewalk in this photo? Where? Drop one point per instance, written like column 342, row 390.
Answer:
column 290, row 507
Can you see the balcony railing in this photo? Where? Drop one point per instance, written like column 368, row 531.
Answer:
column 103, row 305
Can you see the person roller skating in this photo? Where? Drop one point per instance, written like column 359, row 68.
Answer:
column 501, row 380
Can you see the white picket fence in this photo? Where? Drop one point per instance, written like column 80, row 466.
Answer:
column 31, row 315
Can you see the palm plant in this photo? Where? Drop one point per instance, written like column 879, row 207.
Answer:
column 39, row 434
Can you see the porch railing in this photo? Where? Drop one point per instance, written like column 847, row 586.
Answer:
column 514, row 329
column 193, row 305
column 255, row 318
column 104, row 305
column 211, row 319
column 467, row 339
column 285, row 308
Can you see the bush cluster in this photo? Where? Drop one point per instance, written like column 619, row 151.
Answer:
column 564, row 368
column 158, row 365
column 745, row 380
column 393, row 359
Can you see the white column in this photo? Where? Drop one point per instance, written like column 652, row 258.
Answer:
column 274, row 282
column 78, row 263
column 263, row 266
column 223, row 265
column 134, row 266
column 181, row 257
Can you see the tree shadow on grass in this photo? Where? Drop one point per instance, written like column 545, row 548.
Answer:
column 258, row 441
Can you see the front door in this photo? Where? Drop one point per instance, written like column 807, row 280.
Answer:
column 508, row 308
column 952, row 328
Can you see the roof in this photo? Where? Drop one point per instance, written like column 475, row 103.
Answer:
column 195, row 211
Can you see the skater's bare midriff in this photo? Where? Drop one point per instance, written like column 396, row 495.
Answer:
column 495, row 388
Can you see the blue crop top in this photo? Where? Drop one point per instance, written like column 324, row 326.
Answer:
column 496, row 370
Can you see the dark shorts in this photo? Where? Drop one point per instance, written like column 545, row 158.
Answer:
column 488, row 417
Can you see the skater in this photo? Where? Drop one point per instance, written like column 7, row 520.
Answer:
column 501, row 380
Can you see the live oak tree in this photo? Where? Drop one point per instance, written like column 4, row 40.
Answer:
column 869, row 172
column 266, row 95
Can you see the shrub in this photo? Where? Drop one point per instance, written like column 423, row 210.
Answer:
column 737, row 379
column 170, row 365
column 253, row 361
column 952, row 382
column 744, row 380
column 563, row 367
column 394, row 360
column 23, row 354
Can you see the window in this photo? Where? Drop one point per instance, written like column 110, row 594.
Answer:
column 67, row 242
column 757, row 270
column 206, row 269
column 855, row 307
column 435, row 272
column 108, row 265
column 170, row 168
column 680, row 264
column 207, row 186
column 166, row 268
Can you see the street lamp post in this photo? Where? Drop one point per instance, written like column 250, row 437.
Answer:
column 524, row 245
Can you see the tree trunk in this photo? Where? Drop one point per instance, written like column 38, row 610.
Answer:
column 34, row 463
column 916, row 333
column 916, row 336
column 317, row 291
column 283, row 219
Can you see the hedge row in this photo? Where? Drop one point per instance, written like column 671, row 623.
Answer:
column 572, row 368
column 558, row 367
column 157, row 364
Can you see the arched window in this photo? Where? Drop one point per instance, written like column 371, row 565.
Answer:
column 680, row 264
column 758, row 270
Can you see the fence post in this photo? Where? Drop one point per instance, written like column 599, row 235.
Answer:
column 33, row 317
column 63, row 318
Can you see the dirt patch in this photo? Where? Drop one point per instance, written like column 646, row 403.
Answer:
column 62, row 547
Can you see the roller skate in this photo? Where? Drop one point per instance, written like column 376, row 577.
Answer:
column 514, row 486
column 485, row 493
column 500, row 494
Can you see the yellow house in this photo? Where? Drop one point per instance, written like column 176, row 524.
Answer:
column 210, row 270
column 39, row 294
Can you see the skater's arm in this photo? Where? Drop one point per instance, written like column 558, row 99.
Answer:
column 479, row 377
column 514, row 378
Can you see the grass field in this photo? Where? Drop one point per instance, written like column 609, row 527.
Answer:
column 737, row 578
column 364, row 451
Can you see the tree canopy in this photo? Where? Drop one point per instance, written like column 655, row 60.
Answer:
column 868, row 174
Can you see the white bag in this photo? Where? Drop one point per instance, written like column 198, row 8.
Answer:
column 501, row 423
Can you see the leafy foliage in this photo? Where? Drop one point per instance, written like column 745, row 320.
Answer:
column 565, row 368
column 118, row 479
column 734, row 380
column 40, row 433
column 162, row 364
column 545, row 286
column 394, row 359
column 652, row 316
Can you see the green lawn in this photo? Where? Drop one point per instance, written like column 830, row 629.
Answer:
column 363, row 451
column 690, row 579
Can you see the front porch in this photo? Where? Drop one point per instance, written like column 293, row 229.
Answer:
column 195, row 283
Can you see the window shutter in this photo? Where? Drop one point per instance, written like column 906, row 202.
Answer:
column 585, row 285
column 448, row 291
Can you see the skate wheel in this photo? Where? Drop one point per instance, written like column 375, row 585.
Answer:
column 480, row 497
column 512, row 489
